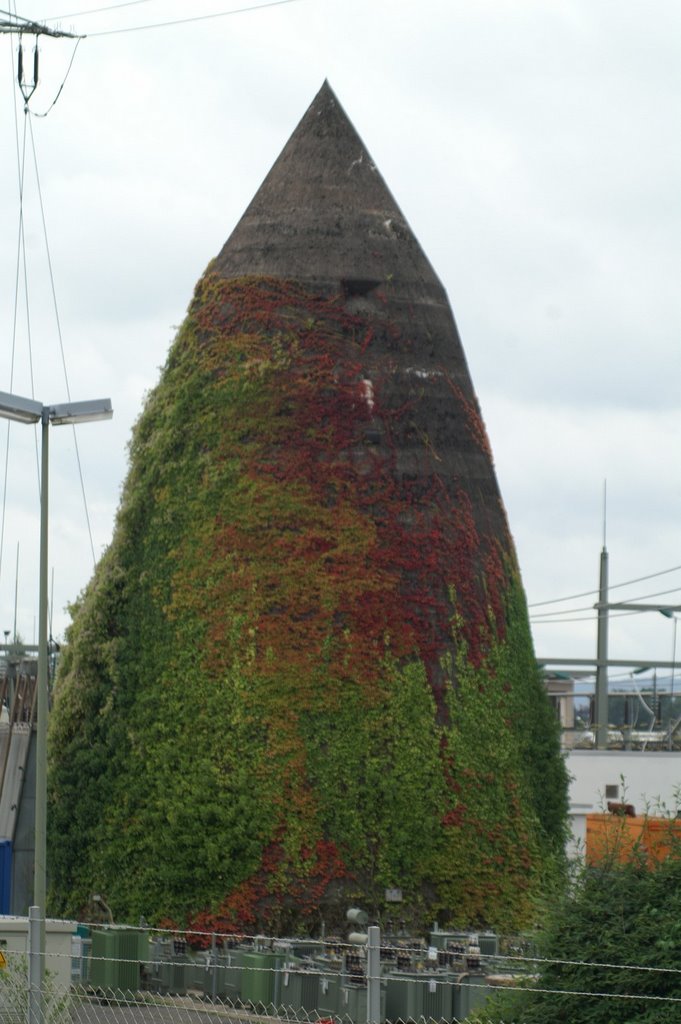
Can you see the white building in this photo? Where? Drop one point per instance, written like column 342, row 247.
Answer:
column 650, row 780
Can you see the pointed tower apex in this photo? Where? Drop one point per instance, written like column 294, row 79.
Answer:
column 324, row 213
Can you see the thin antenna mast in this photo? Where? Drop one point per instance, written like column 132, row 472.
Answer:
column 601, row 702
column 16, row 594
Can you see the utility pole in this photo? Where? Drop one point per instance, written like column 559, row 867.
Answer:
column 604, row 608
column 602, row 663
column 601, row 702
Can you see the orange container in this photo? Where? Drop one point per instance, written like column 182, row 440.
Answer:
column 619, row 836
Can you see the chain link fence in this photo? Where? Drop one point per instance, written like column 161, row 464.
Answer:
column 113, row 975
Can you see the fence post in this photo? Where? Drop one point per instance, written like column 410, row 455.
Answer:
column 35, row 966
column 214, row 962
column 373, row 975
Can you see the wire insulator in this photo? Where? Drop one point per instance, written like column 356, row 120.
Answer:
column 35, row 65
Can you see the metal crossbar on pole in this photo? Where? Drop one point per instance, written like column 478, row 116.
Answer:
column 24, row 26
column 610, row 662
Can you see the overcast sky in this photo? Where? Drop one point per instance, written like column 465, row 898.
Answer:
column 534, row 147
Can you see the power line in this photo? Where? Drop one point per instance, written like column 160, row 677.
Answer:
column 563, row 611
column 584, row 618
column 595, row 995
column 20, row 171
column 17, row 17
column 613, row 586
column 68, row 71
column 550, row 622
column 658, row 593
column 186, row 21
column 60, row 336
column 96, row 10
column 587, row 963
column 588, row 607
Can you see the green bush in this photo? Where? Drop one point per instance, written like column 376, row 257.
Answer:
column 614, row 918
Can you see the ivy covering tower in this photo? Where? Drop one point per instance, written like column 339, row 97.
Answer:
column 302, row 672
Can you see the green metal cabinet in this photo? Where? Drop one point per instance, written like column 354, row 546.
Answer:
column 328, row 993
column 438, row 997
column 159, row 950
column 228, row 973
column 116, row 958
column 411, row 997
column 299, row 991
column 470, row 993
column 261, row 978
column 103, row 972
column 352, row 1002
column 489, row 943
column 439, row 940
column 176, row 975
column 199, row 974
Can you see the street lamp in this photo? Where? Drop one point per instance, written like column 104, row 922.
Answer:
column 27, row 410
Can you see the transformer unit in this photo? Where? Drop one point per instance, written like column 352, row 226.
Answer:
column 416, row 997
column 116, row 959
column 220, row 978
column 261, row 978
column 299, row 990
column 469, row 994
column 352, row 1002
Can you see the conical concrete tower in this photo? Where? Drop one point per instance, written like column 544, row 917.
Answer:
column 324, row 214
column 303, row 673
